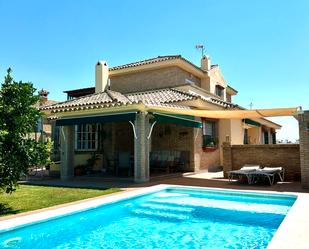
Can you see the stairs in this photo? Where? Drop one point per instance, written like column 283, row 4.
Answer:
column 162, row 211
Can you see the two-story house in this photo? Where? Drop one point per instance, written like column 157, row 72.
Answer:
column 138, row 119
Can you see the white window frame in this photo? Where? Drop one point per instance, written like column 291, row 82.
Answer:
column 86, row 137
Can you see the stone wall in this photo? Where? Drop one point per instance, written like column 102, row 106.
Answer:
column 304, row 147
column 151, row 80
column 279, row 155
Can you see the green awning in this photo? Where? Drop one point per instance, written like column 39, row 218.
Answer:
column 183, row 120
column 251, row 122
column 115, row 117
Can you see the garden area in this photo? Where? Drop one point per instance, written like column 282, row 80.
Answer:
column 29, row 197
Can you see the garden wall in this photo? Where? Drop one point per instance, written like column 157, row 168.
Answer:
column 278, row 155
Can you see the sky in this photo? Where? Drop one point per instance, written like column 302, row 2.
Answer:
column 262, row 46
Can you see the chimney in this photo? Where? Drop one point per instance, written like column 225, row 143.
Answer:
column 205, row 63
column 43, row 96
column 101, row 76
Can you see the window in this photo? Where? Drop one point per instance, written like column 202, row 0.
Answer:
column 56, row 138
column 266, row 137
column 219, row 90
column 39, row 126
column 246, row 137
column 209, row 134
column 274, row 137
column 86, row 137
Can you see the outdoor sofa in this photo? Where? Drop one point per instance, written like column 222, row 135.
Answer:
column 168, row 161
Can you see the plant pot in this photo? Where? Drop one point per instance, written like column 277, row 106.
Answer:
column 78, row 172
column 209, row 149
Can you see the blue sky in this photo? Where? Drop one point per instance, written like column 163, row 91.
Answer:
column 261, row 46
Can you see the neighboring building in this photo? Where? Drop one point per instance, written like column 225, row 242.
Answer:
column 100, row 119
column 44, row 127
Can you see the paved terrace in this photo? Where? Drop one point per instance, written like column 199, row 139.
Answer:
column 204, row 179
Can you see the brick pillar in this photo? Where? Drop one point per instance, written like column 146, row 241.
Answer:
column 67, row 152
column 303, row 120
column 141, row 148
column 227, row 158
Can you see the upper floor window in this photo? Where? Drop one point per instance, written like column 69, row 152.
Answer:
column 86, row 137
column 209, row 134
column 219, row 90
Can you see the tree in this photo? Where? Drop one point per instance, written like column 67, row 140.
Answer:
column 18, row 119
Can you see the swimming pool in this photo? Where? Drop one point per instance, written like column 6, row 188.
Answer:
column 172, row 217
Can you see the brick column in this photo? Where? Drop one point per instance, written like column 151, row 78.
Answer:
column 303, row 120
column 227, row 158
column 141, row 148
column 67, row 152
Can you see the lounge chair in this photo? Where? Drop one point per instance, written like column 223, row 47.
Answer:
column 269, row 173
column 245, row 171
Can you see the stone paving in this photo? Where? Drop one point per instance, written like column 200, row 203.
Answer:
column 203, row 179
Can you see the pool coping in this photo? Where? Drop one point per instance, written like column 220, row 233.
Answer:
column 292, row 233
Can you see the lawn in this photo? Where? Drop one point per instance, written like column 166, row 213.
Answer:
column 27, row 197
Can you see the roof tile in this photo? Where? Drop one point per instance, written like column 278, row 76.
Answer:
column 162, row 97
column 145, row 62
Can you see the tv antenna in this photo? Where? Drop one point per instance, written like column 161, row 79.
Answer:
column 201, row 47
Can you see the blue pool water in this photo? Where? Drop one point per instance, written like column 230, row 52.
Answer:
column 171, row 218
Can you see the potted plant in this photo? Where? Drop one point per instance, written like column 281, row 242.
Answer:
column 91, row 162
column 79, row 170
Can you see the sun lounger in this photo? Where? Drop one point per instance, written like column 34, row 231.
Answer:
column 269, row 173
column 245, row 171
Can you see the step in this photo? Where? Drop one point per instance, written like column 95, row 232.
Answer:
column 223, row 204
column 168, row 208
column 160, row 214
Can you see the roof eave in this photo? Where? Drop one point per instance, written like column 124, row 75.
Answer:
column 231, row 90
column 180, row 62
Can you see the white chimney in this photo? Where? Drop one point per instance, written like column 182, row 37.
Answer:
column 205, row 63
column 101, row 76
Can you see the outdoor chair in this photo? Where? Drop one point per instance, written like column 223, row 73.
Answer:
column 124, row 163
column 157, row 162
column 268, row 173
column 245, row 171
column 183, row 160
column 153, row 159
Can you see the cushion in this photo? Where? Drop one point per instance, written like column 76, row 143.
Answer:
column 250, row 167
column 272, row 168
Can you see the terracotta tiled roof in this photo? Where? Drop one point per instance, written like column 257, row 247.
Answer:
column 168, row 95
column 154, row 60
column 162, row 97
column 222, row 103
column 46, row 103
column 106, row 98
column 145, row 62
